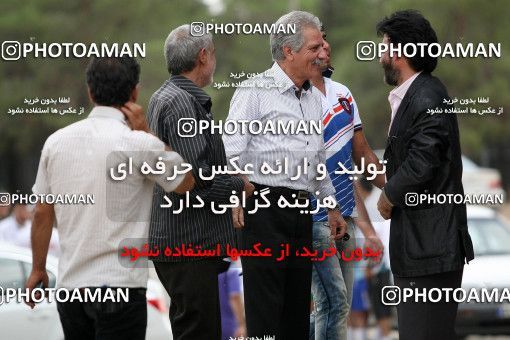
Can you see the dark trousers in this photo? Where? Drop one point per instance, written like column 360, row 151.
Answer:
column 194, row 294
column 277, row 293
column 105, row 320
column 428, row 321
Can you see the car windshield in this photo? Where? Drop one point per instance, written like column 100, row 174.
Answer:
column 490, row 236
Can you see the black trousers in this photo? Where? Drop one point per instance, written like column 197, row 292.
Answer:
column 428, row 321
column 194, row 293
column 277, row 293
column 105, row 320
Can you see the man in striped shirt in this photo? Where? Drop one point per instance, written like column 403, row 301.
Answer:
column 277, row 293
column 191, row 282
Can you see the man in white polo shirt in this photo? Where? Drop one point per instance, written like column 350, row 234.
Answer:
column 78, row 160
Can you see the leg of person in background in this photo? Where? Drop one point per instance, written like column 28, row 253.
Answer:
column 384, row 330
column 359, row 311
column 358, row 325
column 233, row 323
column 383, row 313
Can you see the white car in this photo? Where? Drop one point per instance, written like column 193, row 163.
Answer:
column 479, row 180
column 20, row 322
column 490, row 234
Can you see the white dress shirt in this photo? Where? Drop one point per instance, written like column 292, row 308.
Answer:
column 257, row 100
column 77, row 160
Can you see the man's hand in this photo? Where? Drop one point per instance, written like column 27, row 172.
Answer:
column 238, row 217
column 337, row 224
column 135, row 116
column 240, row 331
column 384, row 206
column 249, row 188
column 238, row 212
column 36, row 277
column 187, row 184
column 373, row 242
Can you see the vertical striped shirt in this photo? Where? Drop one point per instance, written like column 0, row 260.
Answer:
column 339, row 127
column 180, row 98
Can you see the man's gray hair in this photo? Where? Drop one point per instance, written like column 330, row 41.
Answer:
column 181, row 49
column 295, row 41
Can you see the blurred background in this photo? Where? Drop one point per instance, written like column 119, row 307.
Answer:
column 484, row 138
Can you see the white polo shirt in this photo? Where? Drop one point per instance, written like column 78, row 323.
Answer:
column 77, row 160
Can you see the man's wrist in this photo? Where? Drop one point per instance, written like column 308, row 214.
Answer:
column 239, row 184
column 144, row 128
column 386, row 199
column 336, row 207
column 38, row 269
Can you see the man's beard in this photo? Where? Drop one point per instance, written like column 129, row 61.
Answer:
column 391, row 74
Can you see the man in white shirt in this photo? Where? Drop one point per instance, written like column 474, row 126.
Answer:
column 277, row 294
column 79, row 159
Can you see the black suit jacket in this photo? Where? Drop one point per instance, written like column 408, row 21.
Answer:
column 424, row 157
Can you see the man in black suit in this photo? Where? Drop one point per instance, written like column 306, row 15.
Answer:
column 429, row 242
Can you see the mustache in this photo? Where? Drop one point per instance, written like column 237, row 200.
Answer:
column 320, row 63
